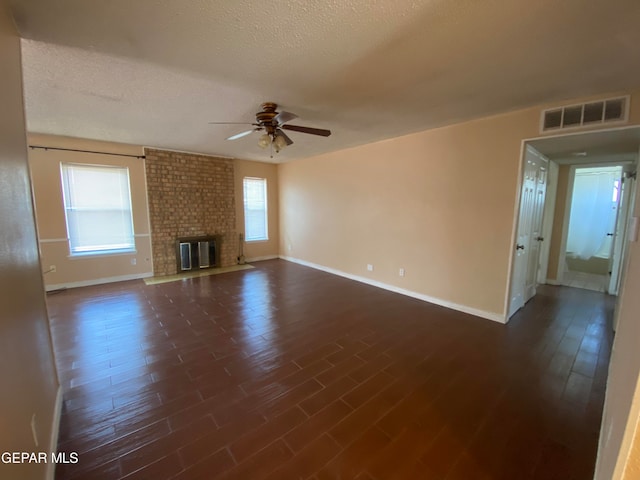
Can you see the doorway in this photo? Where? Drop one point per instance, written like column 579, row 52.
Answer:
column 594, row 207
column 614, row 151
column 622, row 145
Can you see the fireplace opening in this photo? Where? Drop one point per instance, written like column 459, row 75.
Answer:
column 196, row 253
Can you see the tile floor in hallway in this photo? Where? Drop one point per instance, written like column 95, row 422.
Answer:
column 286, row 372
column 589, row 281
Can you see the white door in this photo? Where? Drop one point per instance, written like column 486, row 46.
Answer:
column 525, row 264
column 535, row 238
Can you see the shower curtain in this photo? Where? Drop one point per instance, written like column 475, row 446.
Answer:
column 593, row 211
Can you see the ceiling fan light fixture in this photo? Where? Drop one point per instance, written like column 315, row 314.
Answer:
column 264, row 141
column 279, row 143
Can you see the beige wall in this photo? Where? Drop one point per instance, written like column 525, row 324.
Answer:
column 439, row 204
column 632, row 465
column 52, row 230
column 29, row 380
column 555, row 248
column 269, row 171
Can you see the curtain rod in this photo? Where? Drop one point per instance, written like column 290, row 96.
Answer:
column 86, row 151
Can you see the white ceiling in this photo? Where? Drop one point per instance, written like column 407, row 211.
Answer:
column 155, row 72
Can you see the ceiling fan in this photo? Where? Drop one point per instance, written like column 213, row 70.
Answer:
column 273, row 124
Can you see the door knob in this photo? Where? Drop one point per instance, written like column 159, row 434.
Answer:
column 519, row 247
column 540, row 239
column 609, row 234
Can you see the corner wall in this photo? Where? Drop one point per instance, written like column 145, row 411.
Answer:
column 29, row 380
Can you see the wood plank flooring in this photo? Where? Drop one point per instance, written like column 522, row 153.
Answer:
column 285, row 372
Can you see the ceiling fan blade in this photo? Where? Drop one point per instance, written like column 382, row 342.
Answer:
column 240, row 135
column 285, row 136
column 312, row 131
column 233, row 123
column 283, row 117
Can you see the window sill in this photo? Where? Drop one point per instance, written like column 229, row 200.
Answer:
column 103, row 253
column 262, row 240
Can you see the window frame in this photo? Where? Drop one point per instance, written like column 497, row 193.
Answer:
column 264, row 238
column 66, row 190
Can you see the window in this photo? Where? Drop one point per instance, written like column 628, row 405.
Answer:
column 255, row 209
column 97, row 206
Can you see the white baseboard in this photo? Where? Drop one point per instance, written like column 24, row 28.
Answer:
column 552, row 282
column 496, row 317
column 260, row 259
column 55, row 431
column 97, row 281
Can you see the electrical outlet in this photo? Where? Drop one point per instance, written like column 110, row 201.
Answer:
column 401, row 272
column 52, row 268
column 369, row 267
column 133, row 261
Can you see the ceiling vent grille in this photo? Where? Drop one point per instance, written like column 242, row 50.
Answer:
column 583, row 115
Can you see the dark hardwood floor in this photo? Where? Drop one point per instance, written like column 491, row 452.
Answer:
column 286, row 372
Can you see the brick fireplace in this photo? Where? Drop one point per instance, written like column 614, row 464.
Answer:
column 190, row 196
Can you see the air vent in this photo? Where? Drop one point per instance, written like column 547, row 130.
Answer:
column 586, row 114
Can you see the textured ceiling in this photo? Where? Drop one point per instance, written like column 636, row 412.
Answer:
column 155, row 72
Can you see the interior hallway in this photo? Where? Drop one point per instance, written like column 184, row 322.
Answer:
column 287, row 372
